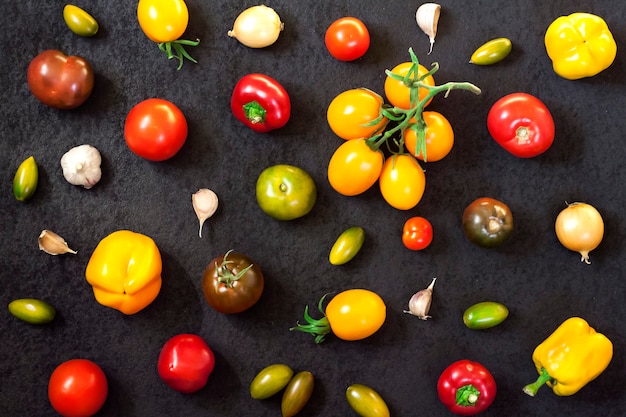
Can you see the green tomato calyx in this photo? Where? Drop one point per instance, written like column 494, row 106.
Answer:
column 225, row 275
column 255, row 112
column 319, row 328
column 176, row 49
column 467, row 395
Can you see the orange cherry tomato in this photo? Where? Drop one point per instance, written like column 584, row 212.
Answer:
column 351, row 110
column 354, row 167
column 439, row 138
column 398, row 94
column 402, row 181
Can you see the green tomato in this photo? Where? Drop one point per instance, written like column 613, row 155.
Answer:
column 285, row 192
column 485, row 315
column 492, row 52
column 297, row 393
column 366, row 402
column 270, row 381
column 347, row 245
column 32, row 311
column 79, row 21
column 25, row 180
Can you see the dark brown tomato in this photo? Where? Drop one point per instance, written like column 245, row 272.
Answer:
column 232, row 283
column 487, row 222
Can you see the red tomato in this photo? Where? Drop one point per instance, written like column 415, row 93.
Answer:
column 261, row 103
column 521, row 124
column 155, row 129
column 60, row 81
column 185, row 363
column 77, row 388
column 417, row 233
column 347, row 39
column 466, row 388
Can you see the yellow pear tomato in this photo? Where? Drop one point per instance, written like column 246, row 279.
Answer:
column 398, row 94
column 402, row 182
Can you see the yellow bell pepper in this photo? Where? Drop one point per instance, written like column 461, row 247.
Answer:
column 125, row 271
column 580, row 45
column 574, row 355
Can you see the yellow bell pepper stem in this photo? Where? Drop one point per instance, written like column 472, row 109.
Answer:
column 572, row 356
column 125, row 271
column 580, row 45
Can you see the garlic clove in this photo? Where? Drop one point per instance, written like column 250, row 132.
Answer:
column 427, row 17
column 205, row 204
column 81, row 166
column 53, row 244
column 419, row 304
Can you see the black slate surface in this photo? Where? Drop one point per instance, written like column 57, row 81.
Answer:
column 541, row 282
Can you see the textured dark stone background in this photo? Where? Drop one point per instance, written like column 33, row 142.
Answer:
column 540, row 281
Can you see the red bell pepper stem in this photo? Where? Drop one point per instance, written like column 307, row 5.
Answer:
column 254, row 112
column 467, row 395
column 531, row 389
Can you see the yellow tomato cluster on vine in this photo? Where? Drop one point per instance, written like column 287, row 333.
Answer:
column 363, row 119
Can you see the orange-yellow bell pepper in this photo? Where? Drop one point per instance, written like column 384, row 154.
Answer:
column 574, row 355
column 125, row 271
column 580, row 45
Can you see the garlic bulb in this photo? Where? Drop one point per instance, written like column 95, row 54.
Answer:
column 205, row 204
column 427, row 17
column 81, row 166
column 53, row 244
column 419, row 304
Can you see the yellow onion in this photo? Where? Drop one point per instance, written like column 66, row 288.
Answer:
column 579, row 227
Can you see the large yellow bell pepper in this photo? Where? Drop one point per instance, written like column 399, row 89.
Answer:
column 125, row 271
column 580, row 45
column 574, row 355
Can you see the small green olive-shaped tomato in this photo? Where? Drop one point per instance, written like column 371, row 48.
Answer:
column 32, row 311
column 366, row 402
column 270, row 381
column 347, row 245
column 79, row 21
column 26, row 179
column 491, row 52
column 487, row 222
column 297, row 393
column 485, row 315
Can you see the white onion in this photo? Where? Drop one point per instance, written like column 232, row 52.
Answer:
column 257, row 27
column 579, row 227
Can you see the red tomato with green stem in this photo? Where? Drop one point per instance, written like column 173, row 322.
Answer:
column 60, row 81
column 347, row 39
column 185, row 363
column 466, row 388
column 261, row 103
column 417, row 233
column 521, row 124
column 78, row 388
column 155, row 129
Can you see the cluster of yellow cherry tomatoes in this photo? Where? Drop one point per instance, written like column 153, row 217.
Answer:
column 366, row 123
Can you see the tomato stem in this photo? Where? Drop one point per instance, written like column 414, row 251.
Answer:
column 225, row 275
column 412, row 118
column 467, row 395
column 254, row 112
column 319, row 328
column 178, row 51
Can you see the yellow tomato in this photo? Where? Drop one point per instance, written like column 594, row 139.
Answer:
column 439, row 138
column 402, row 182
column 398, row 94
column 354, row 167
column 351, row 110
column 163, row 20
column 356, row 314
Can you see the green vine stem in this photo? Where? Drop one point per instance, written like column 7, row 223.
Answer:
column 319, row 328
column 225, row 275
column 176, row 49
column 403, row 118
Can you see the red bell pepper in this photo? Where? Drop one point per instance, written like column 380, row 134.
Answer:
column 260, row 102
column 466, row 388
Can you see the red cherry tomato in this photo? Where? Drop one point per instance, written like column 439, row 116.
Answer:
column 347, row 39
column 77, row 388
column 521, row 124
column 60, row 81
column 466, row 388
column 417, row 233
column 155, row 129
column 185, row 363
